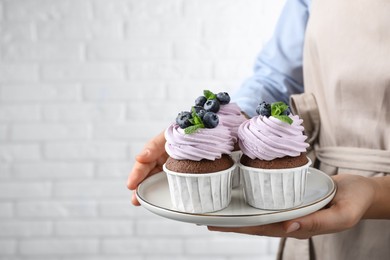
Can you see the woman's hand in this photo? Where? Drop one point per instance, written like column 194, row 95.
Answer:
column 355, row 199
column 148, row 162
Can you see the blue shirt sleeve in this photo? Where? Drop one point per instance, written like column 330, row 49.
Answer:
column 278, row 69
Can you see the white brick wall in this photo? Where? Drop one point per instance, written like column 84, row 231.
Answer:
column 78, row 80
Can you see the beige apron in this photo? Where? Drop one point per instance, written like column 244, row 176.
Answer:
column 346, row 109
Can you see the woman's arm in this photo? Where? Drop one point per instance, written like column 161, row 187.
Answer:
column 356, row 198
column 278, row 69
column 380, row 208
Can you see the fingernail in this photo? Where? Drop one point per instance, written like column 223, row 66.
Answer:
column 293, row 227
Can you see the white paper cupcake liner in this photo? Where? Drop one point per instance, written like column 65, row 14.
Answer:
column 274, row 189
column 200, row 193
column 236, row 176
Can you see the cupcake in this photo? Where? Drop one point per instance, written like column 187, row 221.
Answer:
column 199, row 167
column 230, row 115
column 274, row 164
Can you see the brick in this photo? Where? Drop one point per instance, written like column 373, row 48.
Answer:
column 126, row 50
column 53, row 170
column 103, row 9
column 58, row 246
column 126, row 9
column 141, row 110
column 80, row 30
column 131, row 131
column 18, row 152
column 112, row 170
column 40, row 92
column 144, row 214
column 66, row 72
column 47, row 132
column 150, row 246
column 94, row 228
column 137, row 146
column 18, row 72
column 215, row 28
column 19, row 228
column 170, row 70
column 7, row 247
column 3, row 132
column 188, row 257
column 5, row 171
column 46, row 10
column 256, row 257
column 91, row 189
column 199, row 50
column 233, row 70
column 84, row 112
column 186, row 91
column 226, row 246
column 114, row 208
column 43, row 51
column 170, row 28
column 57, row 209
column 86, row 150
column 20, row 113
column 134, row 90
column 168, row 228
column 16, row 32
column 104, row 257
column 6, row 210
column 226, row 9
column 19, row 190
column 149, row 9
column 217, row 49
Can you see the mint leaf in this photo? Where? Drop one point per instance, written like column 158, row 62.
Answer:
column 283, row 118
column 192, row 129
column 209, row 95
column 195, row 120
column 278, row 108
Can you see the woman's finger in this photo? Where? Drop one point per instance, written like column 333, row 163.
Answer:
column 152, row 150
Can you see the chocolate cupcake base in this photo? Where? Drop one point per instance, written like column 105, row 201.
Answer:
column 199, row 167
column 278, row 163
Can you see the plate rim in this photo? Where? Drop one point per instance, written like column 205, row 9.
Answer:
column 264, row 212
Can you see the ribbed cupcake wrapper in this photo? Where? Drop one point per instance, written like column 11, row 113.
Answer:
column 274, row 189
column 200, row 193
column 236, row 176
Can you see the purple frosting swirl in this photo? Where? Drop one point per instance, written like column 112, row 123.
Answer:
column 205, row 143
column 230, row 116
column 267, row 138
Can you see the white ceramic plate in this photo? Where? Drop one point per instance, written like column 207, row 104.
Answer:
column 153, row 194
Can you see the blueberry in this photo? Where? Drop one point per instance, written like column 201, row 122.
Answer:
column 210, row 120
column 183, row 119
column 200, row 101
column 212, row 105
column 286, row 112
column 200, row 111
column 264, row 109
column 223, row 98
